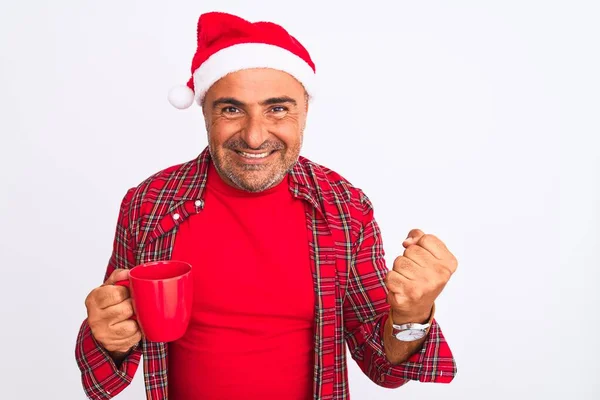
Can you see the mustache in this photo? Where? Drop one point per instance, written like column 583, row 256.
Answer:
column 240, row 144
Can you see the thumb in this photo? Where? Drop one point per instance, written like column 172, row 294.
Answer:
column 413, row 237
column 117, row 275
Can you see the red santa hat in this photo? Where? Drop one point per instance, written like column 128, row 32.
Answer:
column 227, row 43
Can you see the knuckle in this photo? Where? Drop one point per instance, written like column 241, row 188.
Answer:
column 447, row 273
column 114, row 273
column 412, row 249
column 129, row 304
column 121, row 311
column 112, row 276
column 400, row 263
column 453, row 264
column 117, row 313
column 119, row 331
column 106, row 343
column 95, row 331
column 112, row 293
column 97, row 325
column 387, row 284
column 391, row 288
column 110, row 346
column 88, row 301
column 136, row 337
column 123, row 331
column 389, row 278
column 125, row 309
column 102, row 296
column 426, row 238
column 443, row 271
column 100, row 335
column 133, row 329
column 415, row 232
column 437, row 284
column 116, row 295
column 93, row 324
column 92, row 299
column 391, row 298
column 429, row 238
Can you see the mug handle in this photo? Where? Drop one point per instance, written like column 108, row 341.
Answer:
column 126, row 283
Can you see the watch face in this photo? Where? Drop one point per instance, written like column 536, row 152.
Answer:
column 410, row 335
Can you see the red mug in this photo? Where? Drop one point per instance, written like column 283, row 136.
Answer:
column 162, row 296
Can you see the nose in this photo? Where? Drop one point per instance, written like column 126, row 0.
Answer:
column 254, row 131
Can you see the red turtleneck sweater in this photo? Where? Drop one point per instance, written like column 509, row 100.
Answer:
column 251, row 332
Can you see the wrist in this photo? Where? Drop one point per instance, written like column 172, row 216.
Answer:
column 421, row 317
column 119, row 356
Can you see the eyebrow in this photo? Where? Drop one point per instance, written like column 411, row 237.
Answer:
column 227, row 100
column 278, row 100
column 237, row 103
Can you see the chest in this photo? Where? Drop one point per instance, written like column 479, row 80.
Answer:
column 256, row 253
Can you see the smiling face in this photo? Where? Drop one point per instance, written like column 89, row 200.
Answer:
column 255, row 121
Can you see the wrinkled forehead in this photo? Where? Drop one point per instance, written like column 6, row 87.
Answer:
column 255, row 85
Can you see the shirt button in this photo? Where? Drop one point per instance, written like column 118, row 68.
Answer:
column 175, row 216
column 381, row 378
column 198, row 203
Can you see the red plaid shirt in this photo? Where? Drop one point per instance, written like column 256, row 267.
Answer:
column 347, row 261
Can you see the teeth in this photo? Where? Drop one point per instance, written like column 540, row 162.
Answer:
column 248, row 155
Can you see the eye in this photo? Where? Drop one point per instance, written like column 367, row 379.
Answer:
column 279, row 109
column 230, row 110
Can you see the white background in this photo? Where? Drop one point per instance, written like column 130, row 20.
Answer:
column 476, row 121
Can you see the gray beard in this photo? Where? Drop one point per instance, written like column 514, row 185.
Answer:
column 255, row 189
column 273, row 181
column 241, row 184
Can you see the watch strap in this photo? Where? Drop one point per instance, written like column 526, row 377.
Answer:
column 402, row 326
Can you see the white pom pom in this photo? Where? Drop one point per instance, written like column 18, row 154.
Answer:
column 181, row 97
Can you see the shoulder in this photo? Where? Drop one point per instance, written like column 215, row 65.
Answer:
column 333, row 184
column 160, row 187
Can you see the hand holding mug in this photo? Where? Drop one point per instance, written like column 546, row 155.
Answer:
column 109, row 310
column 153, row 300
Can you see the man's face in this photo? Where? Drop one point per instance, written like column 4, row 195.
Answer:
column 255, row 120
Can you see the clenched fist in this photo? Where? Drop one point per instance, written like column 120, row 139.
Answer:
column 418, row 277
column 109, row 309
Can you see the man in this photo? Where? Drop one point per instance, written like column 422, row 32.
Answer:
column 287, row 256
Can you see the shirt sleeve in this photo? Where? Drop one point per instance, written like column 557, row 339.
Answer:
column 100, row 376
column 366, row 312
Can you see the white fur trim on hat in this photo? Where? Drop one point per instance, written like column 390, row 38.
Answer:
column 251, row 55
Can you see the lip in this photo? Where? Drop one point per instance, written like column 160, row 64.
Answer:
column 263, row 160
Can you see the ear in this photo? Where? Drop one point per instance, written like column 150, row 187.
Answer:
column 306, row 100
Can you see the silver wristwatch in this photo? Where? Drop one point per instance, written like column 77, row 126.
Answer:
column 410, row 332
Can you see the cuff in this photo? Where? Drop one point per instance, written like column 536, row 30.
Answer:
column 434, row 362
